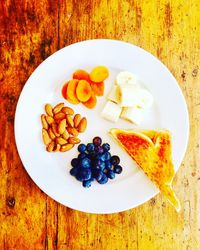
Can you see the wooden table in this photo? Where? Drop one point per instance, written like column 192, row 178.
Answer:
column 30, row 31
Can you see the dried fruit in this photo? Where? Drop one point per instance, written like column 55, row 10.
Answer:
column 99, row 74
column 83, row 91
column 71, row 91
column 91, row 103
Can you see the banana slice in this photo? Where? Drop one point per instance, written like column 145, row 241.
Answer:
column 114, row 94
column 128, row 95
column 125, row 77
column 111, row 111
column 131, row 96
column 133, row 114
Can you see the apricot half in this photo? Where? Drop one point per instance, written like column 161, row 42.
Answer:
column 91, row 103
column 81, row 74
column 97, row 87
column 71, row 91
column 99, row 74
column 83, row 91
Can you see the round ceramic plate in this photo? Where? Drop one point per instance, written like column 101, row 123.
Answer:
column 50, row 171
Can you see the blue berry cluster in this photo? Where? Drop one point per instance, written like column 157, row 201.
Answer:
column 95, row 162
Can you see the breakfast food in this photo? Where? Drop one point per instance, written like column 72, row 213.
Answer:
column 84, row 87
column 95, row 162
column 130, row 97
column 111, row 111
column 152, row 151
column 60, row 129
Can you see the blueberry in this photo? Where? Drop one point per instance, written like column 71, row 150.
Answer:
column 102, row 165
column 81, row 148
column 117, row 169
column 92, row 155
column 74, row 171
column 85, row 163
column 82, row 155
column 96, row 162
column 110, row 174
column 108, row 165
column 87, row 183
column 84, row 174
column 97, row 141
column 99, row 150
column 106, row 147
column 97, row 174
column 74, row 162
column 105, row 157
column 114, row 160
column 90, row 147
column 103, row 180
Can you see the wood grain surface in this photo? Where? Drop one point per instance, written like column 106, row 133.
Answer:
column 30, row 31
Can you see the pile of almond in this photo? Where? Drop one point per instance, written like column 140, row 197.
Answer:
column 61, row 128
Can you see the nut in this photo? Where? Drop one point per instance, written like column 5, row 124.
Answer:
column 61, row 126
column 58, row 108
column 51, row 134
column 74, row 140
column 77, row 119
column 72, row 131
column 66, row 147
column 45, row 137
column 59, row 116
column 49, row 119
column 67, row 110
column 61, row 141
column 55, row 131
column 49, row 109
column 65, row 135
column 51, row 146
column 57, row 148
column 44, row 122
column 82, row 125
column 70, row 121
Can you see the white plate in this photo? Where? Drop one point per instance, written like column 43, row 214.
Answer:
column 50, row 171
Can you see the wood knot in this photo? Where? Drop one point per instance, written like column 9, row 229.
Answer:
column 10, row 202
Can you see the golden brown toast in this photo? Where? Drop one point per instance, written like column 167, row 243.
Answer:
column 152, row 151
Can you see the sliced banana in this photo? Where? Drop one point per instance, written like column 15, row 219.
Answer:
column 128, row 95
column 114, row 94
column 111, row 111
column 133, row 114
column 126, row 77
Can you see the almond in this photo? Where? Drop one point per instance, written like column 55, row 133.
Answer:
column 61, row 126
column 74, row 140
column 67, row 110
column 59, row 116
column 66, row 147
column 58, row 108
column 70, row 121
column 49, row 109
column 55, row 130
column 49, row 119
column 45, row 136
column 51, row 134
column 82, row 125
column 44, row 122
column 65, row 135
column 57, row 148
column 77, row 119
column 72, row 131
column 61, row 141
column 51, row 146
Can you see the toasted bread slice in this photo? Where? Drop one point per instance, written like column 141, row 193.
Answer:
column 152, row 151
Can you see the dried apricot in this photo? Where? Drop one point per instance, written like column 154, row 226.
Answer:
column 91, row 103
column 71, row 91
column 98, row 88
column 64, row 90
column 81, row 74
column 83, row 91
column 99, row 74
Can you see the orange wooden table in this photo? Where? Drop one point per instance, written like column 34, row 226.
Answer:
column 32, row 30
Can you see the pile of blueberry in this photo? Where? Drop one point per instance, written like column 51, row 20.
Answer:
column 95, row 162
